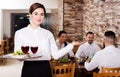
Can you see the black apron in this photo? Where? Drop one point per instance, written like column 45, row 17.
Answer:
column 36, row 69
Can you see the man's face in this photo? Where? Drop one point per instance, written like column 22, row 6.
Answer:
column 63, row 38
column 90, row 38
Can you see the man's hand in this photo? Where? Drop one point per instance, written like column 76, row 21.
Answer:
column 88, row 60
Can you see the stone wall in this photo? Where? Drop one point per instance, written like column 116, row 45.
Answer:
column 100, row 17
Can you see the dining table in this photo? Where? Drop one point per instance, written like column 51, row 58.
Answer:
column 80, row 71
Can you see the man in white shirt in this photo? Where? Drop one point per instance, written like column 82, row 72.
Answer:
column 107, row 57
column 62, row 42
column 88, row 48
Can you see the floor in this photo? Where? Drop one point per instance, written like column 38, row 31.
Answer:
column 12, row 68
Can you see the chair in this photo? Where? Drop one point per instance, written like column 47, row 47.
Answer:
column 2, row 48
column 106, row 74
column 110, row 70
column 7, row 46
column 66, row 70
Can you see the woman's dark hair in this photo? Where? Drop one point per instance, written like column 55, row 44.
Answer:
column 61, row 32
column 35, row 6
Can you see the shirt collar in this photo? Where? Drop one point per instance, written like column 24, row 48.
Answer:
column 58, row 43
column 88, row 43
column 110, row 46
column 32, row 29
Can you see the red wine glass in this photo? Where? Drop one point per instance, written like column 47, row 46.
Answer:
column 25, row 49
column 34, row 49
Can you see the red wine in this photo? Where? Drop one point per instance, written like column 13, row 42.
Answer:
column 34, row 49
column 25, row 49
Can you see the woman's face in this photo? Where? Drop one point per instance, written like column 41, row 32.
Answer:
column 37, row 16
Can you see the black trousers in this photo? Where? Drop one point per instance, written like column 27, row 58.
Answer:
column 36, row 69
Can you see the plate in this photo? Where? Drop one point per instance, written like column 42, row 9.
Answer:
column 12, row 56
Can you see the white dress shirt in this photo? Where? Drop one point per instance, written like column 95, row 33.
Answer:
column 108, row 57
column 87, row 50
column 62, row 46
column 44, row 39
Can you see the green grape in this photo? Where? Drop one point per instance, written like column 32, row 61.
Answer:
column 18, row 52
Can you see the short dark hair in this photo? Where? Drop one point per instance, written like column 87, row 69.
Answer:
column 89, row 33
column 110, row 34
column 35, row 6
column 61, row 32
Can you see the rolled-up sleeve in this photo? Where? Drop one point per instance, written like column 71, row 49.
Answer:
column 93, row 64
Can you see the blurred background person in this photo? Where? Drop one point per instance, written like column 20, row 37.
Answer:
column 89, row 48
column 62, row 42
column 107, row 57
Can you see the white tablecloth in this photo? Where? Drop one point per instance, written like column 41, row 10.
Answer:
column 12, row 68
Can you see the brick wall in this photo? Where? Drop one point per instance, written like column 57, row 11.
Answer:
column 100, row 17
column 73, row 17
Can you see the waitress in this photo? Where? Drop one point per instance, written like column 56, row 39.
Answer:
column 34, row 34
